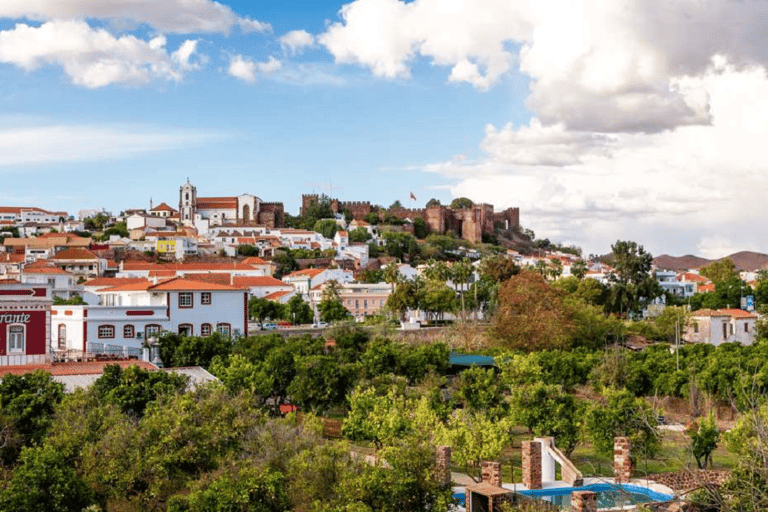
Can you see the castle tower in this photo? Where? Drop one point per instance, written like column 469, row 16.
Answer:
column 187, row 203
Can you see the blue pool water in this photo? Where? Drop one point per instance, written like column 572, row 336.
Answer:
column 608, row 495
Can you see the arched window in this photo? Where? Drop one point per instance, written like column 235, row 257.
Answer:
column 224, row 329
column 129, row 331
column 205, row 330
column 62, row 337
column 185, row 329
column 16, row 338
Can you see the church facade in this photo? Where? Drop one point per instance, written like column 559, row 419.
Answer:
column 243, row 210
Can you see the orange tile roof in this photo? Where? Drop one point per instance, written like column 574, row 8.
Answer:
column 690, row 276
column 206, row 203
column 9, row 257
column 224, row 278
column 246, row 281
column 162, row 207
column 181, row 284
column 737, row 313
column 162, row 273
column 182, row 267
column 74, row 368
column 709, row 312
column 275, row 295
column 309, row 272
column 46, row 270
column 709, row 287
column 75, row 253
column 136, row 286
column 113, row 281
column 253, row 260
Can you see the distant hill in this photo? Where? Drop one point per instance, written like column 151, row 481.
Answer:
column 679, row 263
column 744, row 260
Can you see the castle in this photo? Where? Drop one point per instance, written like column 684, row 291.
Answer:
column 243, row 210
column 468, row 223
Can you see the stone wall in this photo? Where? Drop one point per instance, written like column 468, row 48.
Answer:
column 584, row 501
column 688, row 480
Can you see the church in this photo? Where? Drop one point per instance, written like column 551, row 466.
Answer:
column 244, row 210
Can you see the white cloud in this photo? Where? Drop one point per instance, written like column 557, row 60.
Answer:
column 177, row 16
column 247, row 69
column 594, row 66
column 682, row 190
column 93, row 57
column 296, row 41
column 36, row 144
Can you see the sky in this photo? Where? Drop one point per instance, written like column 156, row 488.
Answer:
column 601, row 120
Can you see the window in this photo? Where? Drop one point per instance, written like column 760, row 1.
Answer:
column 151, row 330
column 725, row 330
column 205, row 298
column 205, row 330
column 62, row 337
column 185, row 329
column 185, row 299
column 106, row 331
column 129, row 331
column 223, row 329
column 746, row 327
column 696, row 327
column 16, row 338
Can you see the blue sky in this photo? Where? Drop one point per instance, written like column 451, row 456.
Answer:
column 600, row 122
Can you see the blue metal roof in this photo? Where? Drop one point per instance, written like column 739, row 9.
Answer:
column 470, row 359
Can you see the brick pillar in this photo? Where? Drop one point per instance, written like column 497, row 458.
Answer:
column 583, row 501
column 491, row 472
column 622, row 463
column 532, row 464
column 443, row 465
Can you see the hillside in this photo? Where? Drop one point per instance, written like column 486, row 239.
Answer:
column 743, row 260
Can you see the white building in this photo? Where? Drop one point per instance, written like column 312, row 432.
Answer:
column 721, row 326
column 129, row 313
column 304, row 280
column 63, row 284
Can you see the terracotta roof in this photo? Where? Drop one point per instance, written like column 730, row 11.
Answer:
column 181, row 284
column 135, row 286
column 690, row 276
column 181, row 267
column 162, row 273
column 75, row 253
column 254, row 260
column 737, row 313
column 241, row 281
column 162, row 207
column 309, row 272
column 275, row 295
column 113, row 281
column 74, row 368
column 205, row 203
column 43, row 263
column 709, row 287
column 46, row 270
column 224, row 278
column 709, row 312
column 9, row 257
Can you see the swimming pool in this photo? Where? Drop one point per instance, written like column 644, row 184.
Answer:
column 608, row 495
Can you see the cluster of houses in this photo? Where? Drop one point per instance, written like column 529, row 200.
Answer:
column 125, row 305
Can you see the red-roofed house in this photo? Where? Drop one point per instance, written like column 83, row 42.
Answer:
column 80, row 262
column 305, row 280
column 63, row 284
column 133, row 310
column 721, row 326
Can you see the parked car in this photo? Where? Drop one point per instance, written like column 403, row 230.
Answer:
column 320, row 325
column 269, row 327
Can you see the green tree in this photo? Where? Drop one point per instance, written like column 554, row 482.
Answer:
column 27, row 404
column 247, row 250
column 436, row 299
column 297, row 311
column 332, row 310
column 718, row 271
column 623, row 416
column 316, row 210
column 177, row 350
column 326, row 227
column 704, row 437
column 45, row 480
column 433, row 202
column 133, row 388
column 284, row 263
column 547, row 410
column 75, row 300
column 531, row 315
column 461, row 202
column 397, row 205
column 359, row 235
column 479, row 389
column 400, row 245
column 579, row 269
column 262, row 309
column 372, row 218
column 632, row 284
column 420, row 228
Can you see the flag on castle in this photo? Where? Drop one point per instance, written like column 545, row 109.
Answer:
column 413, row 196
